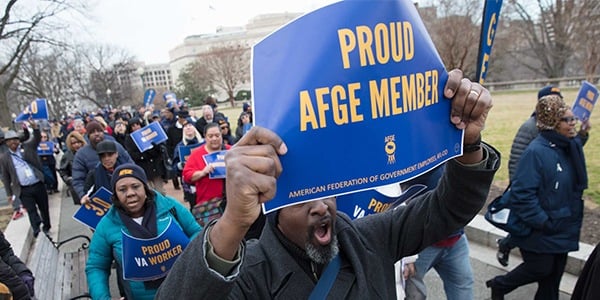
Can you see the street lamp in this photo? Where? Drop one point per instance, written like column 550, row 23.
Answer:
column 108, row 93
column 140, row 72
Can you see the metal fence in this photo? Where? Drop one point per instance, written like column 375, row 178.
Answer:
column 533, row 84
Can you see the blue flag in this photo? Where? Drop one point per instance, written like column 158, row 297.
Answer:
column 149, row 259
column 90, row 213
column 149, row 97
column 147, row 135
column 37, row 110
column 491, row 14
column 363, row 108
column 585, row 101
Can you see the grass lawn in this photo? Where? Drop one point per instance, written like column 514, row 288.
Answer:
column 510, row 110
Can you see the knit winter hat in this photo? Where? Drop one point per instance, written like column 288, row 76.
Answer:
column 93, row 126
column 549, row 110
column 128, row 170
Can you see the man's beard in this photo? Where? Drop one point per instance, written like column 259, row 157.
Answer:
column 322, row 254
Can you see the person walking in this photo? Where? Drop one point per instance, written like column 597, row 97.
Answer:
column 546, row 194
column 23, row 177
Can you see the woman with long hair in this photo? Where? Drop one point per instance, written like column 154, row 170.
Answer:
column 74, row 142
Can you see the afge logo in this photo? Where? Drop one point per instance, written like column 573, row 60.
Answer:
column 126, row 172
column 390, row 148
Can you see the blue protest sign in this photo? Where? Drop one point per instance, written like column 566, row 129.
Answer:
column 491, row 13
column 45, row 148
column 149, row 97
column 360, row 204
column 90, row 213
column 363, row 108
column 147, row 135
column 149, row 259
column 585, row 101
column 170, row 99
column 185, row 151
column 217, row 159
column 37, row 110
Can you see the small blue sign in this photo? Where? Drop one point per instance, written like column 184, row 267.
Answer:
column 150, row 259
column 45, row 148
column 585, row 101
column 185, row 151
column 217, row 160
column 150, row 134
column 90, row 213
column 362, row 109
column 37, row 110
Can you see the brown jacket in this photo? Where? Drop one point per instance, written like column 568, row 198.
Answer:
column 29, row 153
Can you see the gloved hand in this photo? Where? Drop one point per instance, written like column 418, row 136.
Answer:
column 29, row 282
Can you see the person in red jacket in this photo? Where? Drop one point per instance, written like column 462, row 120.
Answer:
column 197, row 172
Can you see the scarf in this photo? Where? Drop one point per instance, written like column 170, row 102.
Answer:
column 147, row 230
column 574, row 150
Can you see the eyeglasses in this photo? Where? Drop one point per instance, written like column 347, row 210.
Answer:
column 569, row 119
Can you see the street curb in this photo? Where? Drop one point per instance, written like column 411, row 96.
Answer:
column 482, row 232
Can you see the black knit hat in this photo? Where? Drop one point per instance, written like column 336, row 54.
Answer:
column 128, row 170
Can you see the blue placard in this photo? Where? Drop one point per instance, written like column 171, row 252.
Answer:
column 90, row 213
column 185, row 151
column 217, row 159
column 170, row 99
column 585, row 101
column 45, row 148
column 491, row 14
column 37, row 110
column 149, row 259
column 360, row 204
column 149, row 97
column 363, row 108
column 145, row 136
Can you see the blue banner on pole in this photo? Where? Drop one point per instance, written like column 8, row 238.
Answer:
column 149, row 97
column 217, row 159
column 45, row 148
column 90, row 213
column 585, row 101
column 185, row 151
column 149, row 259
column 150, row 134
column 364, row 108
column 37, row 110
column 491, row 14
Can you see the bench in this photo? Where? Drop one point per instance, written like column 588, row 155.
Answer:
column 59, row 275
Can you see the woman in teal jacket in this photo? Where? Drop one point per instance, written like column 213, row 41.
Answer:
column 156, row 228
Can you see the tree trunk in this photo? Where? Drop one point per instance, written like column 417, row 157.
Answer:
column 5, row 114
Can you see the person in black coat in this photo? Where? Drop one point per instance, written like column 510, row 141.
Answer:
column 14, row 273
column 150, row 160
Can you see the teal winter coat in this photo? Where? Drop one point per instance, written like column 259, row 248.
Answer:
column 106, row 245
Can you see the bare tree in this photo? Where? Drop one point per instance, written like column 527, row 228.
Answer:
column 228, row 67
column 454, row 28
column 45, row 76
column 587, row 44
column 99, row 68
column 547, row 29
column 21, row 27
